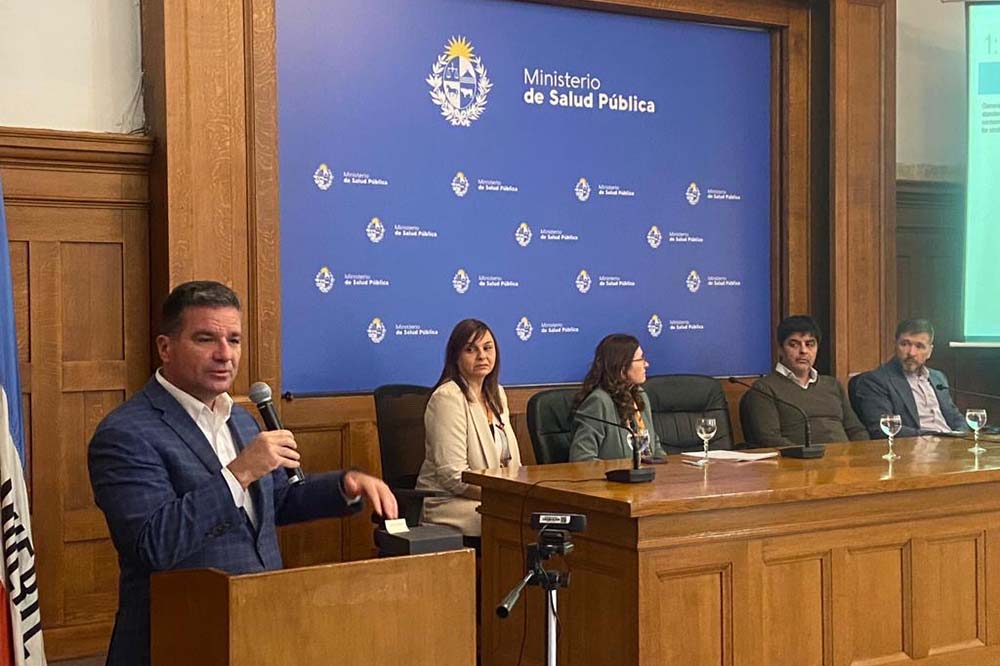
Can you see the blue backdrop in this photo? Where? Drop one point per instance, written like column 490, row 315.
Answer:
column 561, row 174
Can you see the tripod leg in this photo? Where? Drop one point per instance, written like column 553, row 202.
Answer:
column 550, row 628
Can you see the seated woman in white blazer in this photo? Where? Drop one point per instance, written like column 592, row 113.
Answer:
column 468, row 427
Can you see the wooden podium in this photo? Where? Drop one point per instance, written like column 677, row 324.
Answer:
column 401, row 610
column 846, row 560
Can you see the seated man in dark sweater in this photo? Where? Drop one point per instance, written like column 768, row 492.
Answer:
column 767, row 422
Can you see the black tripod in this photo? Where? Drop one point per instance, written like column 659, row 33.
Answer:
column 551, row 541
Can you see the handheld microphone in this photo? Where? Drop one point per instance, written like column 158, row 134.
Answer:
column 260, row 395
column 636, row 474
column 807, row 451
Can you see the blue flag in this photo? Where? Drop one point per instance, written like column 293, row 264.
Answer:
column 8, row 341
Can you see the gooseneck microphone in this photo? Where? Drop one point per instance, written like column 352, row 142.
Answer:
column 807, row 451
column 635, row 474
column 975, row 394
column 260, row 395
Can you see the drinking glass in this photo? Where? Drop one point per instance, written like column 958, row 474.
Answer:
column 976, row 418
column 705, row 429
column 890, row 425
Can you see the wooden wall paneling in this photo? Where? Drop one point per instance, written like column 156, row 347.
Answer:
column 977, row 370
column 319, row 541
column 954, row 569
column 46, row 380
column 931, row 236
column 798, row 586
column 264, row 298
column 863, row 152
column 880, row 623
column 362, row 452
column 136, row 311
column 77, row 215
column 715, row 581
column 197, row 113
column 348, row 445
column 929, row 260
column 819, row 113
column 887, row 235
column 992, row 562
column 798, row 46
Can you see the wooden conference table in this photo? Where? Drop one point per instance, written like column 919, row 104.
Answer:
column 842, row 560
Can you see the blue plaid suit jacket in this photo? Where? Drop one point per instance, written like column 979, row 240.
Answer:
column 167, row 505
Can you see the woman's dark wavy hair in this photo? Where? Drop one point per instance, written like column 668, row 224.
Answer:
column 465, row 332
column 611, row 363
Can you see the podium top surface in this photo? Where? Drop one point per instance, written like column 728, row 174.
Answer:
column 847, row 470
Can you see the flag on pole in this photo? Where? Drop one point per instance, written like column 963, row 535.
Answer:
column 20, row 619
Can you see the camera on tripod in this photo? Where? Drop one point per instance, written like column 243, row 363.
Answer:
column 553, row 539
column 554, row 533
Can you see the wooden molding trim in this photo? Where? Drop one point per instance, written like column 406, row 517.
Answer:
column 77, row 211
column 862, row 234
column 35, row 147
column 928, row 193
column 732, row 12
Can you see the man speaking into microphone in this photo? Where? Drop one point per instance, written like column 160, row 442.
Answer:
column 768, row 422
column 186, row 479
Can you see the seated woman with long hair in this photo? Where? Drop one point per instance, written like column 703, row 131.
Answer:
column 612, row 392
column 468, row 427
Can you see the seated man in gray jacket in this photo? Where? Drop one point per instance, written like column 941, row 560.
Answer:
column 905, row 385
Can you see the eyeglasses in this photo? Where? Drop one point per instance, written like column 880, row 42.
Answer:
column 640, row 360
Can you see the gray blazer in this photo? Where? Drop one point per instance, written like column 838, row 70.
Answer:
column 885, row 390
column 593, row 439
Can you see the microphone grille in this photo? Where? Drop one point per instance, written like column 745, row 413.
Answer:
column 259, row 392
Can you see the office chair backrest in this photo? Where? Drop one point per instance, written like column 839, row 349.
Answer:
column 549, row 424
column 399, row 410
column 852, row 389
column 678, row 401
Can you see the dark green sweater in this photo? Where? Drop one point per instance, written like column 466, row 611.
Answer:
column 768, row 423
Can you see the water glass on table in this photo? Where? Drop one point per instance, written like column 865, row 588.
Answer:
column 976, row 419
column 705, row 429
column 890, row 425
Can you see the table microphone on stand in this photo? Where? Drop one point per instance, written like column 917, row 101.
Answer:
column 807, row 451
column 635, row 474
column 989, row 430
column 975, row 394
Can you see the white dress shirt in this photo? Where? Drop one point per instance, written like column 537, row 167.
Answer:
column 213, row 423
column 928, row 408
column 782, row 370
